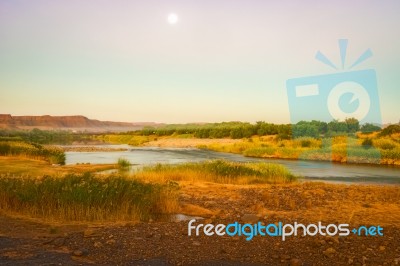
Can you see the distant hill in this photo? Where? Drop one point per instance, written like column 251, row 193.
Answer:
column 73, row 123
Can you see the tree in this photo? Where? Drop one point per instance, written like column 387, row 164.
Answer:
column 369, row 128
column 337, row 127
column 305, row 130
column 353, row 125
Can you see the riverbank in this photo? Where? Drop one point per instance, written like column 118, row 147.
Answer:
column 167, row 243
column 339, row 149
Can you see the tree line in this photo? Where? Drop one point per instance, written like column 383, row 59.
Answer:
column 42, row 136
column 237, row 130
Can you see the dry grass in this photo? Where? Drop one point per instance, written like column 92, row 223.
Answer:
column 85, row 197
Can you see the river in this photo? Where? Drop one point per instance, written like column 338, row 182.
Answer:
column 310, row 170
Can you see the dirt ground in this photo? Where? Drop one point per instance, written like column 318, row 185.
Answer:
column 34, row 242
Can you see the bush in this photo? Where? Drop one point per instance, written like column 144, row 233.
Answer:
column 385, row 144
column 367, row 143
column 392, row 129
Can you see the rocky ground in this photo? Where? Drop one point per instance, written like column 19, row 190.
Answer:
column 30, row 242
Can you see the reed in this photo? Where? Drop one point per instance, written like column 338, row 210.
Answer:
column 85, row 197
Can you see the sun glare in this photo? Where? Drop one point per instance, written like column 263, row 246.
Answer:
column 172, row 18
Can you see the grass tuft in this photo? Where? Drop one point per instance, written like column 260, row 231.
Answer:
column 123, row 164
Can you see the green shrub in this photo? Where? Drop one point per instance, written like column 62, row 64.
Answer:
column 123, row 164
column 367, row 143
column 51, row 154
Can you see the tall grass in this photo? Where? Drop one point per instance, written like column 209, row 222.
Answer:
column 50, row 154
column 86, row 198
column 219, row 171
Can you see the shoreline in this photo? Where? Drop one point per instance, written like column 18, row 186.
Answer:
column 202, row 145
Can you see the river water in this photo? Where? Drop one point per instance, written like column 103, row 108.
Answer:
column 310, row 170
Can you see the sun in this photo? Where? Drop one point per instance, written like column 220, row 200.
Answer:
column 172, row 18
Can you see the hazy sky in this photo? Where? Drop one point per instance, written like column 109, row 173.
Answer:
column 222, row 61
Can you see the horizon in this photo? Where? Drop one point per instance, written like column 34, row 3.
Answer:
column 184, row 61
column 192, row 122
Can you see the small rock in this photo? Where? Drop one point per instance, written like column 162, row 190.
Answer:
column 364, row 259
column 88, row 233
column 59, row 242
column 396, row 261
column 97, row 244
column 329, row 252
column 196, row 243
column 78, row 253
column 350, row 261
column 111, row 242
column 295, row 262
column 382, row 248
column 250, row 218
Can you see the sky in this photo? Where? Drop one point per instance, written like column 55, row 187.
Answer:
column 222, row 60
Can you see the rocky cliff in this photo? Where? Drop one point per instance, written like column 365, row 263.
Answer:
column 76, row 122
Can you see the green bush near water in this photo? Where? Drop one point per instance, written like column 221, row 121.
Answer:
column 123, row 164
column 50, row 154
